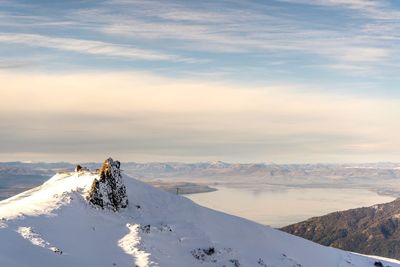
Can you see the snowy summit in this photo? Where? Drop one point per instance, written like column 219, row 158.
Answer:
column 83, row 219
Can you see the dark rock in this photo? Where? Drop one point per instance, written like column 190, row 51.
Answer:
column 235, row 262
column 57, row 250
column 145, row 228
column 261, row 262
column 209, row 251
column 109, row 191
column 204, row 254
column 80, row 168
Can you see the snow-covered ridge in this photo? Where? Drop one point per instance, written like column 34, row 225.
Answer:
column 55, row 225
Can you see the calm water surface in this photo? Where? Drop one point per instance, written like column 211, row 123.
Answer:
column 282, row 206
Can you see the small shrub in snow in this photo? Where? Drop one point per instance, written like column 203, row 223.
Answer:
column 145, row 228
column 78, row 168
column 261, row 262
column 204, row 254
column 57, row 250
column 209, row 251
column 165, row 228
column 235, row 262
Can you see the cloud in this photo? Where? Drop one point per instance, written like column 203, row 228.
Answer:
column 87, row 47
column 356, row 4
column 250, row 29
column 365, row 54
column 176, row 30
column 376, row 9
column 354, row 69
column 15, row 63
column 141, row 116
column 144, row 116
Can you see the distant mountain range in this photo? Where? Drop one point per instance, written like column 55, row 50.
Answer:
column 212, row 169
column 379, row 177
column 369, row 230
column 218, row 168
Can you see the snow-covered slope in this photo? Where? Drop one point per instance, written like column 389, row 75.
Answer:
column 54, row 225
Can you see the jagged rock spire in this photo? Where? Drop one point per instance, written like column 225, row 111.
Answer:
column 109, row 191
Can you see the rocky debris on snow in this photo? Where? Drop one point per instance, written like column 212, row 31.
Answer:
column 204, row 254
column 165, row 228
column 380, row 264
column 160, row 228
column 222, row 256
column 235, row 262
column 56, row 250
column 261, row 262
column 285, row 258
column 80, row 168
column 145, row 228
column 109, row 191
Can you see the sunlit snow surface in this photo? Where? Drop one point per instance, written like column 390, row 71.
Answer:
column 53, row 225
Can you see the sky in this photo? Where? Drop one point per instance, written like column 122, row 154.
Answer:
column 284, row 81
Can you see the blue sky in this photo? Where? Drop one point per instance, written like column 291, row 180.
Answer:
column 343, row 54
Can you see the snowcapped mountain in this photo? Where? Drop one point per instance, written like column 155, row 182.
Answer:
column 57, row 224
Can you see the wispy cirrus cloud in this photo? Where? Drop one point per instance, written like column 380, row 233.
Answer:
column 15, row 63
column 356, row 4
column 377, row 9
column 203, row 38
column 242, row 31
column 200, row 32
column 176, row 29
column 87, row 47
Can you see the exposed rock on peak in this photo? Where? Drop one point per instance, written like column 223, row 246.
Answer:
column 80, row 168
column 109, row 191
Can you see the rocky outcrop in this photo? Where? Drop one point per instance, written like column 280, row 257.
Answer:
column 371, row 230
column 79, row 168
column 109, row 190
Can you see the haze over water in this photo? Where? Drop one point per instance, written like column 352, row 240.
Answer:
column 281, row 206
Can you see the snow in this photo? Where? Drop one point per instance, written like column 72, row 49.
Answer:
column 54, row 225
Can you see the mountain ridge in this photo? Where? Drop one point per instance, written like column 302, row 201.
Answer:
column 368, row 230
column 54, row 225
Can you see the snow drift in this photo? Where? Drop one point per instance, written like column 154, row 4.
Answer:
column 55, row 225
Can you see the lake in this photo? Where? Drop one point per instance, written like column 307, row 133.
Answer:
column 280, row 206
